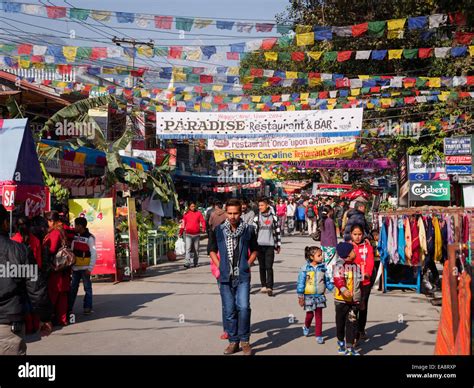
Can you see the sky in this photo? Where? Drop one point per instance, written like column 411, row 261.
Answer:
column 15, row 28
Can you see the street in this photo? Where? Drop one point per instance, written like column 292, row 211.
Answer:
column 173, row 311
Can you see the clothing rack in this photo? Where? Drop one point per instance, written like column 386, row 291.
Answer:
column 423, row 211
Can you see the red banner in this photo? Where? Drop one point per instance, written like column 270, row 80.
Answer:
column 459, row 159
column 8, row 197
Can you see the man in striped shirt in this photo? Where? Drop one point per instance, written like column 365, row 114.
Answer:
column 269, row 242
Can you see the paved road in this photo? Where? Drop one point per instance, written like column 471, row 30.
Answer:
column 176, row 311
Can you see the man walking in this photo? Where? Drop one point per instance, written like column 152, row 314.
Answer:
column 290, row 215
column 235, row 242
column 311, row 216
column 356, row 216
column 14, row 290
column 192, row 221
column 84, row 249
column 247, row 213
column 269, row 242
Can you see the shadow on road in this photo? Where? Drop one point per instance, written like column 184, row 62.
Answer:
column 381, row 335
column 278, row 333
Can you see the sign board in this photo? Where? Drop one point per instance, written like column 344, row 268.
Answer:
column 465, row 179
column 223, row 125
column 462, row 170
column 458, row 145
column 8, row 197
column 430, row 191
column 415, row 165
column 427, row 176
column 274, row 142
column 464, row 159
column 99, row 213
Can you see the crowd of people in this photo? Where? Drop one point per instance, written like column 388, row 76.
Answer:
column 63, row 255
column 242, row 232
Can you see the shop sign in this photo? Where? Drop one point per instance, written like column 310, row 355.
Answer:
column 430, row 191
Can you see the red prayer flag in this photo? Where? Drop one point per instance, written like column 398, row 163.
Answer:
column 247, row 86
column 37, row 59
column 457, row 18
column 268, row 44
column 314, row 75
column 256, row 72
column 64, row 69
column 99, row 53
column 343, row 56
column 375, row 89
column 163, row 22
column 206, row 79
column 56, row 12
column 470, row 80
column 274, row 80
column 463, row 37
column 175, row 52
column 25, row 49
column 297, row 56
column 276, row 98
column 218, row 99
column 360, row 29
column 425, row 52
column 233, row 56
column 342, row 83
column 410, row 100
column 324, row 94
column 264, row 27
column 223, row 107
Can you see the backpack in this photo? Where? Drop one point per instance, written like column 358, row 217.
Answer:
column 311, row 213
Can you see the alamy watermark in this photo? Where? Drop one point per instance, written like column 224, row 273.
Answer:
column 75, row 129
column 15, row 271
column 236, row 176
column 393, row 128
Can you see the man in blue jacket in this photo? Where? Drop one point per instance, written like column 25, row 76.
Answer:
column 236, row 243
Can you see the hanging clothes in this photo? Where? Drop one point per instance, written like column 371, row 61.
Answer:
column 444, row 239
column 438, row 241
column 382, row 245
column 430, row 242
column 463, row 335
column 445, row 336
column 422, row 238
column 408, row 244
column 415, row 242
column 401, row 240
column 395, row 257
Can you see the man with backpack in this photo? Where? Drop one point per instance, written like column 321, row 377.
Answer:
column 311, row 216
column 84, row 249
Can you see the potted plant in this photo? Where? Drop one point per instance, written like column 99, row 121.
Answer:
column 170, row 228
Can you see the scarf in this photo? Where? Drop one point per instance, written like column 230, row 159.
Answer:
column 232, row 239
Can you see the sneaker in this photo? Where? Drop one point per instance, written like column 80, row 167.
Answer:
column 270, row 292
column 264, row 290
column 305, row 331
column 246, row 348
column 87, row 311
column 224, row 336
column 341, row 347
column 320, row 340
column 351, row 352
column 232, row 348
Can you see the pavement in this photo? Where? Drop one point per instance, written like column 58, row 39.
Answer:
column 174, row 311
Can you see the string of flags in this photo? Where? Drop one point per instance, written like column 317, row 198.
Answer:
column 307, row 34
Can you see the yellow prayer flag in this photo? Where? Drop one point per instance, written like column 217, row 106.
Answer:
column 188, row 97
column 395, row 54
column 435, row 82
column 290, row 107
column 306, row 39
column 144, row 93
column 271, row 56
column 25, row 63
column 385, row 101
column 233, row 70
column 217, row 88
column 471, row 51
column 70, row 53
column 304, row 96
column 314, row 81
column 364, row 77
column 206, row 105
column 332, row 101
column 179, row 77
column 40, row 65
column 302, row 28
column 256, row 98
column 316, row 55
column 355, row 92
column 194, row 55
column 443, row 97
column 291, row 75
column 197, row 107
column 396, row 24
column 247, row 79
column 395, row 34
column 236, row 100
column 146, row 51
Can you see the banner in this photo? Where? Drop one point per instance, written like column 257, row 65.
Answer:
column 274, row 142
column 430, row 191
column 415, row 165
column 208, row 125
column 99, row 214
column 458, row 145
column 375, row 164
column 133, row 233
column 8, row 197
column 344, row 150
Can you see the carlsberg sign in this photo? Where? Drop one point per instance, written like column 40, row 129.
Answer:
column 430, row 191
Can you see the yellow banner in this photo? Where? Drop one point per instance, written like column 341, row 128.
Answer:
column 334, row 151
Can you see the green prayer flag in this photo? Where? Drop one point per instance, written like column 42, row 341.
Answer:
column 285, row 41
column 284, row 57
column 8, row 48
column 365, row 90
column 284, row 28
column 330, row 56
column 83, row 52
column 78, row 13
column 420, row 82
column 193, row 78
column 410, row 53
column 184, row 24
column 161, row 51
column 377, row 28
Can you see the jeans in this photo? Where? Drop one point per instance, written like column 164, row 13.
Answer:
column 12, row 344
column 300, row 225
column 282, row 223
column 235, row 297
column 291, row 224
column 312, row 225
column 346, row 322
column 192, row 245
column 76, row 279
column 223, row 316
column 266, row 257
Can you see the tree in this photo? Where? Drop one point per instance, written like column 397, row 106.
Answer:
column 349, row 12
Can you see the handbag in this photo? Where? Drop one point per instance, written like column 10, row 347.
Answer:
column 65, row 258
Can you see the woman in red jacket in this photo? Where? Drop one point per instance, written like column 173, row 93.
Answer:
column 24, row 236
column 59, row 283
column 365, row 259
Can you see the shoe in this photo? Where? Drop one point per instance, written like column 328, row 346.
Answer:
column 263, row 290
column 232, row 348
column 187, row 266
column 351, row 352
column 320, row 340
column 363, row 335
column 270, row 292
column 224, row 336
column 246, row 348
column 87, row 311
column 305, row 331
column 341, row 347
